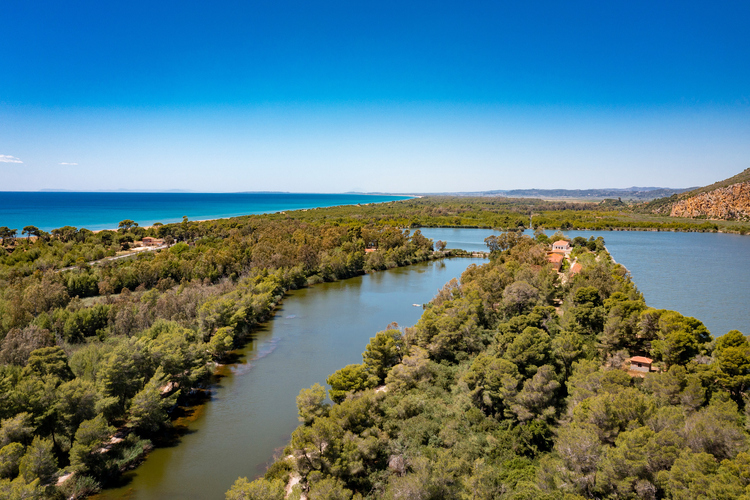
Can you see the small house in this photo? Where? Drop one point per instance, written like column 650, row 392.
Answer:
column 640, row 364
column 562, row 246
column 556, row 260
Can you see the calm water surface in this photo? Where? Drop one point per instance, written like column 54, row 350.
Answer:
column 321, row 329
column 704, row 275
column 315, row 332
column 105, row 210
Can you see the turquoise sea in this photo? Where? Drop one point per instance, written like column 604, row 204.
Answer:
column 50, row 210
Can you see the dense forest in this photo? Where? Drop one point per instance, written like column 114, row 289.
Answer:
column 510, row 385
column 94, row 357
column 515, row 213
column 515, row 385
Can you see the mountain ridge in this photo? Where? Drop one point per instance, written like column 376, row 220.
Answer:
column 633, row 193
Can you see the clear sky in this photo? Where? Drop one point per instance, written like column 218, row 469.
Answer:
column 372, row 96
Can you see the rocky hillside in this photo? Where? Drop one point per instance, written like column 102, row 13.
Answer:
column 728, row 199
column 731, row 202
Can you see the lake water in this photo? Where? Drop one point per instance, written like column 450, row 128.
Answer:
column 49, row 210
column 704, row 275
column 253, row 412
column 320, row 329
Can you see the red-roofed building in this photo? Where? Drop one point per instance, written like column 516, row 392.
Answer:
column 562, row 246
column 640, row 364
column 556, row 260
column 575, row 269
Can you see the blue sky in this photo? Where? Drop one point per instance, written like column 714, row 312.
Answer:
column 380, row 96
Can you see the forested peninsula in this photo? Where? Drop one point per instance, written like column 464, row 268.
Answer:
column 516, row 384
column 101, row 348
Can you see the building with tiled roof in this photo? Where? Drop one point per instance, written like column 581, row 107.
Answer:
column 641, row 363
column 562, row 246
column 556, row 260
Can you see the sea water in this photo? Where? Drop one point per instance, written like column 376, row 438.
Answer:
column 50, row 210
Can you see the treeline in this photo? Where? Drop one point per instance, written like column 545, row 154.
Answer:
column 205, row 252
column 514, row 385
column 94, row 359
column 511, row 214
column 69, row 246
column 432, row 211
column 607, row 221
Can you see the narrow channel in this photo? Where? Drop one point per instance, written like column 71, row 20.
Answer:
column 320, row 329
column 252, row 411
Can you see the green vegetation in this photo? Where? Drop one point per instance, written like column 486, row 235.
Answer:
column 95, row 355
column 515, row 385
column 510, row 214
column 94, row 359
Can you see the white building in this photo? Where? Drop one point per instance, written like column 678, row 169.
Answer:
column 562, row 246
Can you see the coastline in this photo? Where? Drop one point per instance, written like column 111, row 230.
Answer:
column 53, row 210
column 101, row 211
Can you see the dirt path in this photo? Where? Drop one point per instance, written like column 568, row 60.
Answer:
column 116, row 257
